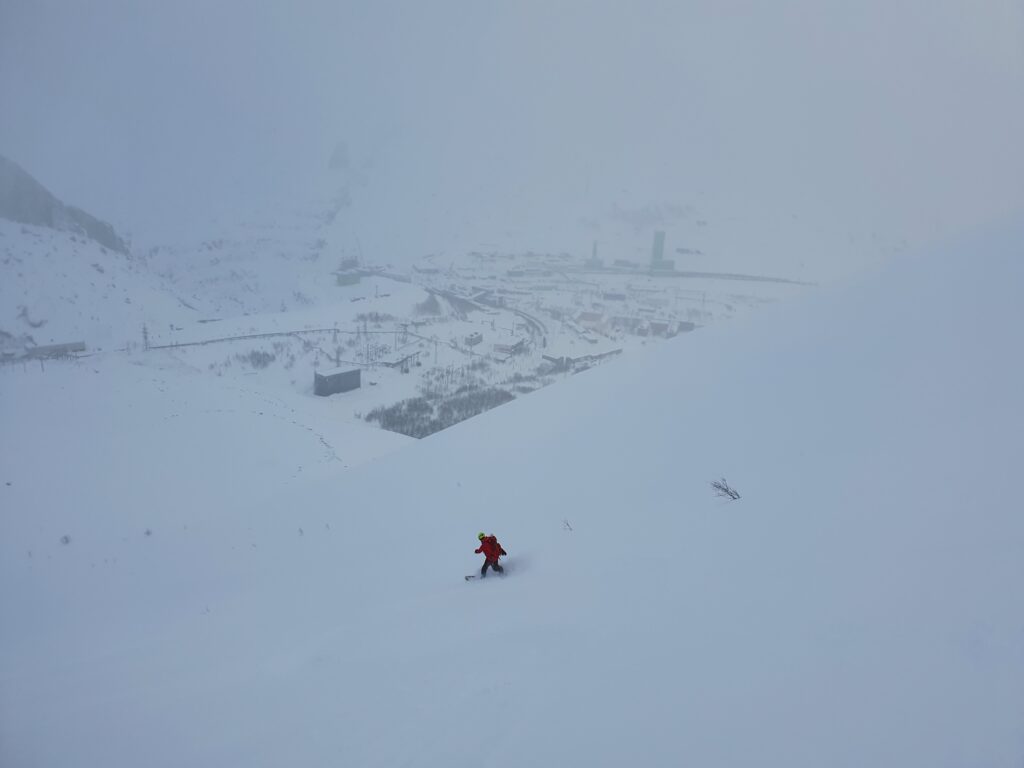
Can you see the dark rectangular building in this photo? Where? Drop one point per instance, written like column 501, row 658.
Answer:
column 334, row 381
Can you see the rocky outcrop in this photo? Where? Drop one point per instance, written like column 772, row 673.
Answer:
column 25, row 200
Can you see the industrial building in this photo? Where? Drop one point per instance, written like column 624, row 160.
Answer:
column 336, row 380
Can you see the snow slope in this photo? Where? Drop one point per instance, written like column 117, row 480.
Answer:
column 58, row 287
column 859, row 605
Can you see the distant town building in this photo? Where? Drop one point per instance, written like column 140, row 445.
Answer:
column 511, row 349
column 348, row 278
column 56, row 350
column 627, row 324
column 658, row 261
column 401, row 361
column 336, row 380
column 658, row 247
column 573, row 359
column 474, row 338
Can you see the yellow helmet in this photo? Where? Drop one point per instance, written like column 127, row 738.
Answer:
column 480, row 536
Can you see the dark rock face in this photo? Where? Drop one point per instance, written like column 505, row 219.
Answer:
column 97, row 230
column 26, row 201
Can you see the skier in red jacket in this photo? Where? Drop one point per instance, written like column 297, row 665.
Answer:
column 491, row 550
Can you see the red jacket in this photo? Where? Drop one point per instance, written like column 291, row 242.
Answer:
column 491, row 548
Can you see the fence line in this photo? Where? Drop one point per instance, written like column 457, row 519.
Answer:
column 251, row 336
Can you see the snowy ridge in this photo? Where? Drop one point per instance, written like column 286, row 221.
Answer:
column 857, row 606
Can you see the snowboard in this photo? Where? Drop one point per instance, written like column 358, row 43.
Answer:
column 499, row 574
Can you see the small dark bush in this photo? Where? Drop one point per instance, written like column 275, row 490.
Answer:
column 429, row 306
column 257, row 358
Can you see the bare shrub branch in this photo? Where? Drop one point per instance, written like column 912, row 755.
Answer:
column 723, row 489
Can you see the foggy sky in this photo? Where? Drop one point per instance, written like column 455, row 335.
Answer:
column 903, row 117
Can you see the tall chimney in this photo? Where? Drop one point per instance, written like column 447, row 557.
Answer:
column 658, row 249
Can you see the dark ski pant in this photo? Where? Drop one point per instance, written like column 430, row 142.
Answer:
column 490, row 564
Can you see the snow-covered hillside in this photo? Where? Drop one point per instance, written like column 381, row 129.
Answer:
column 59, row 287
column 207, row 589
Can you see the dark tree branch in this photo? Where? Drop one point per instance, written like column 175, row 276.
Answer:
column 722, row 489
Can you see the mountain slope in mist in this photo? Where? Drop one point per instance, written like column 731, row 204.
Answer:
column 26, row 201
column 859, row 605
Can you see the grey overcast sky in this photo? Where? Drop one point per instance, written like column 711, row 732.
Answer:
column 900, row 115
